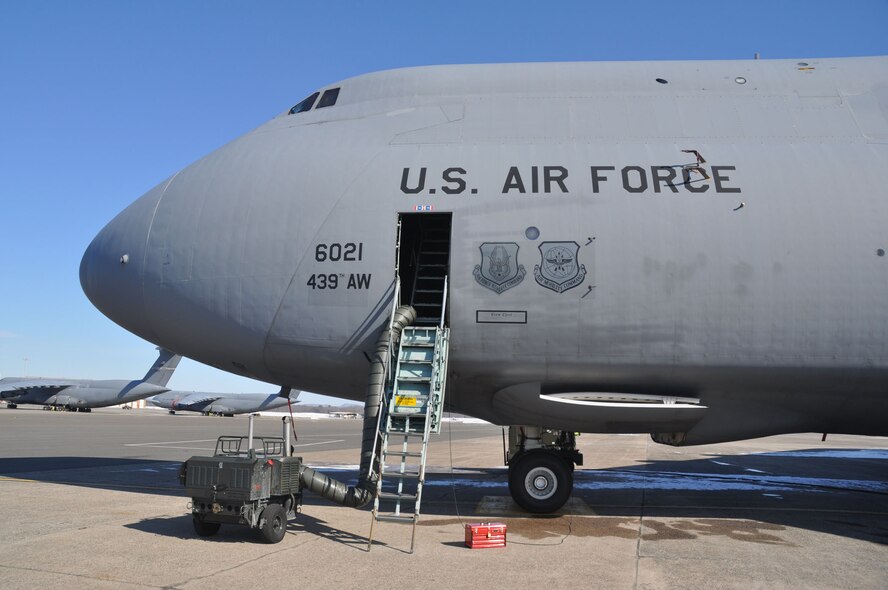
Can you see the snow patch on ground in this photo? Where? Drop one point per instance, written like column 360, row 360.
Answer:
column 833, row 454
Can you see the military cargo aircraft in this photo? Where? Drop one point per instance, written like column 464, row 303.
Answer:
column 222, row 404
column 694, row 250
column 84, row 394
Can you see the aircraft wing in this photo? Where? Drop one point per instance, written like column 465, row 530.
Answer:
column 17, row 388
column 197, row 401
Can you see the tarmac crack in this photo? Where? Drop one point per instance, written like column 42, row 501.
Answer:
column 182, row 584
column 640, row 528
column 80, row 576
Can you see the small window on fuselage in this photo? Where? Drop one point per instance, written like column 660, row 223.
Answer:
column 305, row 105
column 329, row 98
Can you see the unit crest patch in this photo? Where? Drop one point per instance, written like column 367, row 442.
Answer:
column 499, row 269
column 558, row 269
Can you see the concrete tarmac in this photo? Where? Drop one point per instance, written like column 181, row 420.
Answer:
column 91, row 501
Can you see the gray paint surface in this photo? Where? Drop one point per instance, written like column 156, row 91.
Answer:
column 763, row 296
column 90, row 393
column 221, row 403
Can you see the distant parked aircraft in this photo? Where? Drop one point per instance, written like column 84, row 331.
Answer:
column 84, row 394
column 222, row 404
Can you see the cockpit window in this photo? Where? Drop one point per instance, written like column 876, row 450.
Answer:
column 329, row 98
column 305, row 105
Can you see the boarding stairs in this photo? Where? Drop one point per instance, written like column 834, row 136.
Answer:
column 414, row 408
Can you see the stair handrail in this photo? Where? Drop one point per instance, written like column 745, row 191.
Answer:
column 383, row 400
column 443, row 303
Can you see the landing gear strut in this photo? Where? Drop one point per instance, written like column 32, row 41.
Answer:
column 541, row 464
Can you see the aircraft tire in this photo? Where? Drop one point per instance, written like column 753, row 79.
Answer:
column 540, row 482
column 205, row 529
column 273, row 523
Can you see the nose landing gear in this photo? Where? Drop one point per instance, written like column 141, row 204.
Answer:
column 541, row 464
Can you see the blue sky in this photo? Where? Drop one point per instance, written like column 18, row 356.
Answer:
column 99, row 101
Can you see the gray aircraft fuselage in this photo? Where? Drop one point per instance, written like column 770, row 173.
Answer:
column 589, row 254
column 217, row 403
column 90, row 393
column 84, row 393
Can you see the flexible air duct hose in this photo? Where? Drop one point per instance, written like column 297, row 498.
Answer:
column 362, row 493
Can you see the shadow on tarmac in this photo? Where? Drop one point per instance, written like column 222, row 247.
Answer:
column 749, row 497
column 180, row 527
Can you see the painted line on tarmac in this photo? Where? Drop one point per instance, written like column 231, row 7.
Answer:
column 325, row 442
column 212, row 449
column 169, row 442
column 209, row 450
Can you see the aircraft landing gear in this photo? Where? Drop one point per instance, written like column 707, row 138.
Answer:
column 541, row 464
column 173, row 412
column 11, row 406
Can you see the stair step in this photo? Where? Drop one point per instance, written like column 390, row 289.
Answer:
column 394, row 518
column 395, row 496
column 429, row 291
column 409, row 433
column 399, row 475
column 404, row 453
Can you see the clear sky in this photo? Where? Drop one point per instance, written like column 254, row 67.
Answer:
column 100, row 101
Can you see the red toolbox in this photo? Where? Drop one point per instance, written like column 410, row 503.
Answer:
column 485, row 534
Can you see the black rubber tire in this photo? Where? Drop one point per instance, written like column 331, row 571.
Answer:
column 540, row 482
column 205, row 529
column 273, row 523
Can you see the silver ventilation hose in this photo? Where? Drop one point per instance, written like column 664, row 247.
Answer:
column 362, row 493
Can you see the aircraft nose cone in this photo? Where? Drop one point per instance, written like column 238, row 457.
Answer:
column 111, row 271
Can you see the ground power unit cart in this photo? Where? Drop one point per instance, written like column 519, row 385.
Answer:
column 249, row 481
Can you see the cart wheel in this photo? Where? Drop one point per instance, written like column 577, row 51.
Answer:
column 205, row 529
column 273, row 523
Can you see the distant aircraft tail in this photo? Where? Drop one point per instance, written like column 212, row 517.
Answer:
column 162, row 369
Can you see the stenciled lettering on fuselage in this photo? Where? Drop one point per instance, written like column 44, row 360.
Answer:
column 548, row 180
column 559, row 269
column 335, row 253
column 499, row 269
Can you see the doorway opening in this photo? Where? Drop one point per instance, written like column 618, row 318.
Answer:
column 424, row 263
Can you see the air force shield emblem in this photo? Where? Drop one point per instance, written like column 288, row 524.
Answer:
column 559, row 270
column 499, row 269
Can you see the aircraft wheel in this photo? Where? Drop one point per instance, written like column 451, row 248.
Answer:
column 205, row 529
column 11, row 406
column 173, row 412
column 273, row 523
column 540, row 482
